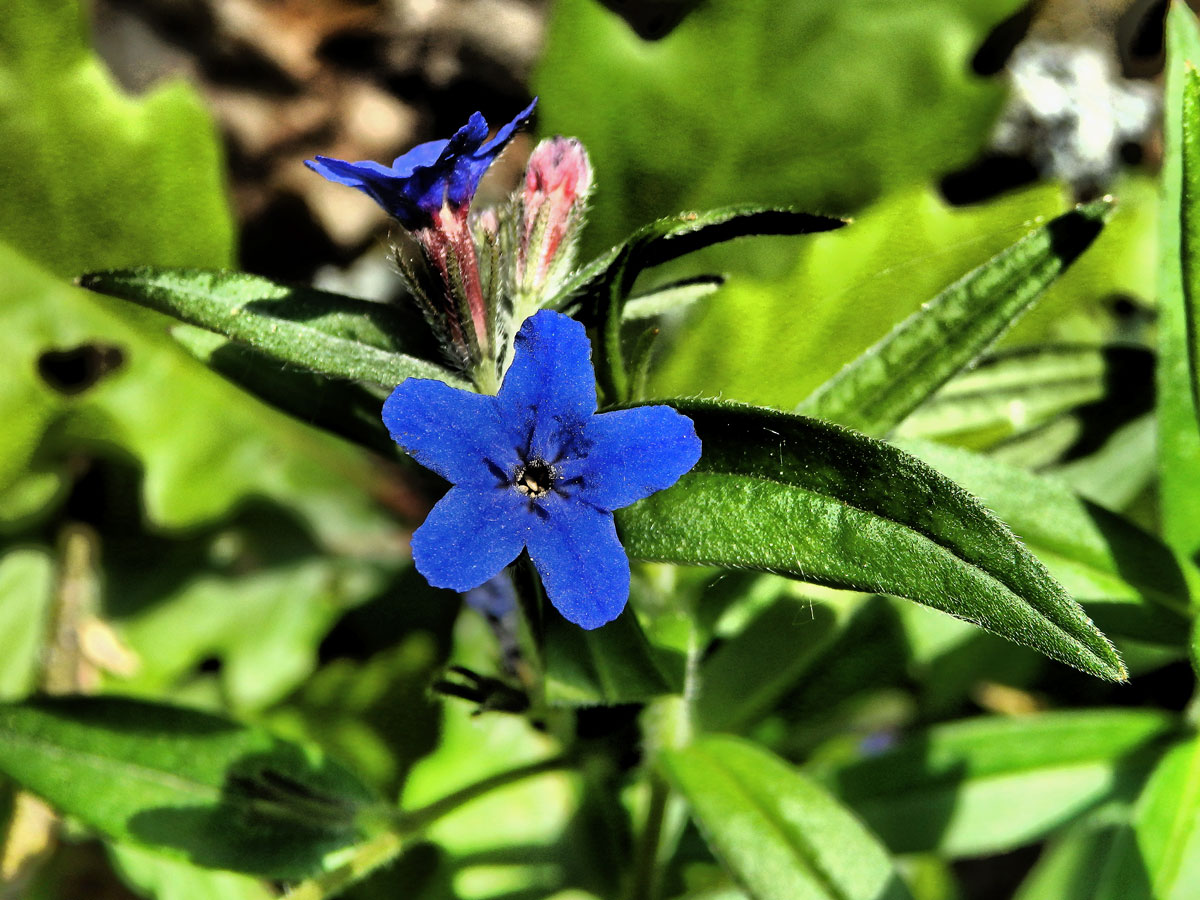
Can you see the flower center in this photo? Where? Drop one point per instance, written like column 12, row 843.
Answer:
column 535, row 478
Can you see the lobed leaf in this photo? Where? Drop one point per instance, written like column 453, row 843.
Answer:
column 876, row 391
column 990, row 784
column 188, row 784
column 804, row 498
column 333, row 335
column 780, row 834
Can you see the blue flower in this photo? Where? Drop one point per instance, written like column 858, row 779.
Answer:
column 429, row 176
column 535, row 467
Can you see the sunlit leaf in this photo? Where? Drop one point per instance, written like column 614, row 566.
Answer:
column 800, row 497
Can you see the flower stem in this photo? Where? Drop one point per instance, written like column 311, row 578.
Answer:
column 385, row 847
column 368, row 857
column 644, row 885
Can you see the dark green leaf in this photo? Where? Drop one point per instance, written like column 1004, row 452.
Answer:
column 991, row 784
column 804, row 498
column 748, row 673
column 610, row 665
column 216, row 793
column 780, row 834
column 876, row 391
column 671, row 237
column 1178, row 436
column 1126, row 578
column 322, row 332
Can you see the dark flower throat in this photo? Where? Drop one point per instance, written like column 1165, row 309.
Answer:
column 535, row 478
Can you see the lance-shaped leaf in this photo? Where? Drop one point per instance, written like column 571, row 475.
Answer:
column 347, row 409
column 779, row 833
column 990, row 784
column 876, row 391
column 1127, row 579
column 187, row 784
column 1189, row 221
column 804, row 498
column 326, row 333
column 1178, row 436
column 671, row 297
column 1166, row 824
column 671, row 237
column 1013, row 392
column 598, row 291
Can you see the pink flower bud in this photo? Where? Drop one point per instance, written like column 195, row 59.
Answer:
column 557, row 182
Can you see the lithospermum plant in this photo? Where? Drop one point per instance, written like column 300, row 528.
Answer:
column 570, row 485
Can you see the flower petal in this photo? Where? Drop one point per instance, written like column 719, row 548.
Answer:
column 549, row 390
column 581, row 561
column 425, row 154
column 457, row 433
column 632, row 454
column 504, row 135
column 378, row 182
column 470, row 535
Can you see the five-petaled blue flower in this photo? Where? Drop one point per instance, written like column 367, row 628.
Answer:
column 535, row 467
column 418, row 184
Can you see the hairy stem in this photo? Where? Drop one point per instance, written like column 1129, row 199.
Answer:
column 384, row 848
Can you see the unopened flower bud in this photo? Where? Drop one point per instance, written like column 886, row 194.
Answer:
column 557, row 182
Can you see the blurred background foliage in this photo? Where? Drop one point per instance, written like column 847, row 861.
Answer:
column 167, row 535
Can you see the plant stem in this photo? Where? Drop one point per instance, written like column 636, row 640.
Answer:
column 384, row 848
column 378, row 851
column 644, row 885
column 426, row 815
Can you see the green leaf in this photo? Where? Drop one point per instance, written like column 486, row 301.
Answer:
column 990, row 784
column 748, row 673
column 680, row 123
column 804, row 498
column 26, row 582
column 99, row 179
column 1189, row 210
column 599, row 290
column 188, row 784
column 610, row 665
column 671, row 297
column 780, row 834
column 1127, row 579
column 1166, row 823
column 671, row 237
column 1179, row 438
column 347, row 409
column 322, row 332
column 773, row 340
column 164, row 878
column 204, row 445
column 1094, row 860
column 1015, row 391
column 876, row 391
